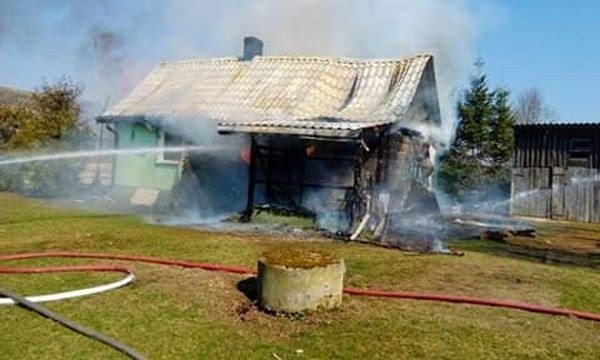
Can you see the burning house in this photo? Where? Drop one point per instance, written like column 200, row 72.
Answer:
column 337, row 138
column 555, row 172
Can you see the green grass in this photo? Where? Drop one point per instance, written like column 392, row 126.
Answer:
column 574, row 238
column 283, row 221
column 178, row 313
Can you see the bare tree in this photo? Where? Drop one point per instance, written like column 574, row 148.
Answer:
column 530, row 108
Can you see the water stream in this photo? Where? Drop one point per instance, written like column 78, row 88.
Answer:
column 99, row 153
column 495, row 204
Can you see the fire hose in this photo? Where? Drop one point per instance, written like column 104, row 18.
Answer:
column 29, row 302
column 70, row 294
column 29, row 305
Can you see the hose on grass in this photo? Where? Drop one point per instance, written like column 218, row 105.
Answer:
column 137, row 258
column 548, row 310
column 69, row 294
column 29, row 303
column 350, row 291
column 80, row 329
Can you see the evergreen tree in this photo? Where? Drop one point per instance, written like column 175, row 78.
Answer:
column 474, row 112
column 501, row 127
column 462, row 167
column 481, row 152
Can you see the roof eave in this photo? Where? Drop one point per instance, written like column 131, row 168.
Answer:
column 557, row 125
column 254, row 129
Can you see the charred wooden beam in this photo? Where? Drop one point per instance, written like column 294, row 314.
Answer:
column 282, row 154
column 269, row 172
column 302, row 170
column 251, row 180
column 300, row 184
column 356, row 207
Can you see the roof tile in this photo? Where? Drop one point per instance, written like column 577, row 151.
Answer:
column 291, row 92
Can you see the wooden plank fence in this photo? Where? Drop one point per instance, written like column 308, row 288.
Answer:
column 556, row 193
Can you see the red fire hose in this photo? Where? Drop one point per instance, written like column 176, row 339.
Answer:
column 240, row 270
column 474, row 301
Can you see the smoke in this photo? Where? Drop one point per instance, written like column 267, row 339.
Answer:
column 89, row 42
column 110, row 44
column 103, row 49
column 349, row 28
column 212, row 185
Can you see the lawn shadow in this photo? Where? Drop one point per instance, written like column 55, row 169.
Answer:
column 545, row 256
column 249, row 287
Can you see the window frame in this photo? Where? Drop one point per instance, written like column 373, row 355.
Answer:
column 160, row 156
column 579, row 154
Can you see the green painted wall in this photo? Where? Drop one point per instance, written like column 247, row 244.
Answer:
column 141, row 170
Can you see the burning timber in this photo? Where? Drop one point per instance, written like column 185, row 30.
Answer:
column 337, row 138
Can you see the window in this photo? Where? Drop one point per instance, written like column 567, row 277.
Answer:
column 167, row 140
column 580, row 152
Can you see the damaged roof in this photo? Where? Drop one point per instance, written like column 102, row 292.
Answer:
column 293, row 95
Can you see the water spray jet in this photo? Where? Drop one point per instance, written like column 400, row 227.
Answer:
column 111, row 152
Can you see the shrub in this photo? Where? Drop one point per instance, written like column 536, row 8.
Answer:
column 49, row 123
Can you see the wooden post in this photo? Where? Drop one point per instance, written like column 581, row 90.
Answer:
column 379, row 164
column 251, row 180
column 302, row 170
column 269, row 170
column 358, row 157
column 96, row 180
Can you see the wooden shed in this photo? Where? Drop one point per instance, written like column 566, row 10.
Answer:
column 555, row 173
column 332, row 137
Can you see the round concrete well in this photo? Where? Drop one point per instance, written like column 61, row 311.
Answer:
column 294, row 281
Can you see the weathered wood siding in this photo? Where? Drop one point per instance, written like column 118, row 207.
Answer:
column 549, row 145
column 572, row 194
column 581, row 191
column 556, row 172
column 531, row 192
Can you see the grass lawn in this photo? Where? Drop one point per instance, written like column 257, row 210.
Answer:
column 177, row 313
column 575, row 238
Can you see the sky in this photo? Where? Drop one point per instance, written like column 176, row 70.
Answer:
column 109, row 45
column 553, row 45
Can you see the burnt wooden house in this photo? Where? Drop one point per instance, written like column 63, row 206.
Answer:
column 333, row 136
column 556, row 172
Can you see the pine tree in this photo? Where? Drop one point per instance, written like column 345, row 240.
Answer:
column 502, row 135
column 481, row 152
column 474, row 111
column 463, row 166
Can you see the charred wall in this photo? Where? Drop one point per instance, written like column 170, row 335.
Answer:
column 319, row 176
column 342, row 181
column 402, row 194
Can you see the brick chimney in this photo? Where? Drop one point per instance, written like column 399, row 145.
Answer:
column 253, row 46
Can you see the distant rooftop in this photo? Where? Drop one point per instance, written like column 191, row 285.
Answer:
column 560, row 124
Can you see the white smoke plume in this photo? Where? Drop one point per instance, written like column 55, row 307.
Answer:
column 346, row 28
column 109, row 45
column 380, row 29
